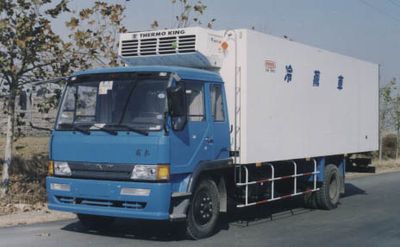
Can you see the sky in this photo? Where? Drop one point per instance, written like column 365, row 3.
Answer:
column 365, row 29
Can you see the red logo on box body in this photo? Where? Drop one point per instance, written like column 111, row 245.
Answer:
column 270, row 66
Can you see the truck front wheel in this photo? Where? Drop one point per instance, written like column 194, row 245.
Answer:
column 94, row 222
column 203, row 211
column 329, row 193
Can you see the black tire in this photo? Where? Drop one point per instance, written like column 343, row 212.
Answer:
column 329, row 194
column 203, row 212
column 94, row 222
column 310, row 200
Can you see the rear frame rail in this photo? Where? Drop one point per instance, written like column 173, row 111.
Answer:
column 272, row 180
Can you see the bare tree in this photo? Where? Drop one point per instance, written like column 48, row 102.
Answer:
column 190, row 14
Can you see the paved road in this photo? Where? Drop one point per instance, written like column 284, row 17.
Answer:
column 368, row 216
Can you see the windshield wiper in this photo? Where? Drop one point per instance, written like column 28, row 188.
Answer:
column 77, row 127
column 139, row 131
column 105, row 129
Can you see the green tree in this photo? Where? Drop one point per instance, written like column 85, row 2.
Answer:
column 94, row 35
column 29, row 51
column 92, row 41
column 385, row 111
column 396, row 118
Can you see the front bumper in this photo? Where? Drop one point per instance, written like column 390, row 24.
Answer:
column 101, row 197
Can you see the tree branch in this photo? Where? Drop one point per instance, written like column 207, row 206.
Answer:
column 38, row 66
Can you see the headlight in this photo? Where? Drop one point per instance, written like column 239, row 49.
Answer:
column 150, row 172
column 61, row 168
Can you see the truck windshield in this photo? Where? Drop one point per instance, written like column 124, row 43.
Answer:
column 118, row 101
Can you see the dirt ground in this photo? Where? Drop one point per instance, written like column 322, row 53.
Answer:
column 32, row 217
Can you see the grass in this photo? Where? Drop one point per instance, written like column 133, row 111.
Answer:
column 27, row 174
column 27, row 147
column 385, row 165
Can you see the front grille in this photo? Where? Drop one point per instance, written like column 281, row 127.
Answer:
column 158, row 46
column 101, row 203
column 101, row 171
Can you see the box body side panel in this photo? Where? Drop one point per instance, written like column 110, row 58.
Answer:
column 308, row 114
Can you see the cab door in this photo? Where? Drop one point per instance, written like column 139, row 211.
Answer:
column 190, row 146
column 219, row 133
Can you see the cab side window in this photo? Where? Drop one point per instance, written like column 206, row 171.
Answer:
column 195, row 101
column 217, row 103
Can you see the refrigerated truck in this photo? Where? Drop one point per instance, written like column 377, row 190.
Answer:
column 199, row 120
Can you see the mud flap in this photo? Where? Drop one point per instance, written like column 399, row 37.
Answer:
column 179, row 205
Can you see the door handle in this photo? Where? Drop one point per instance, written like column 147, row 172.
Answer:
column 209, row 140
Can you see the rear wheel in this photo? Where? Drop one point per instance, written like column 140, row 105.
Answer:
column 329, row 193
column 94, row 222
column 203, row 211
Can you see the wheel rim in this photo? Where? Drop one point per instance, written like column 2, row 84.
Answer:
column 203, row 207
column 333, row 188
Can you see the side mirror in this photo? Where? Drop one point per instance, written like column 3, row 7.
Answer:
column 177, row 107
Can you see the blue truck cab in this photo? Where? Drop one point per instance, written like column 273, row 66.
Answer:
column 133, row 141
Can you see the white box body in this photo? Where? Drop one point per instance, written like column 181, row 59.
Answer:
column 274, row 119
column 282, row 120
